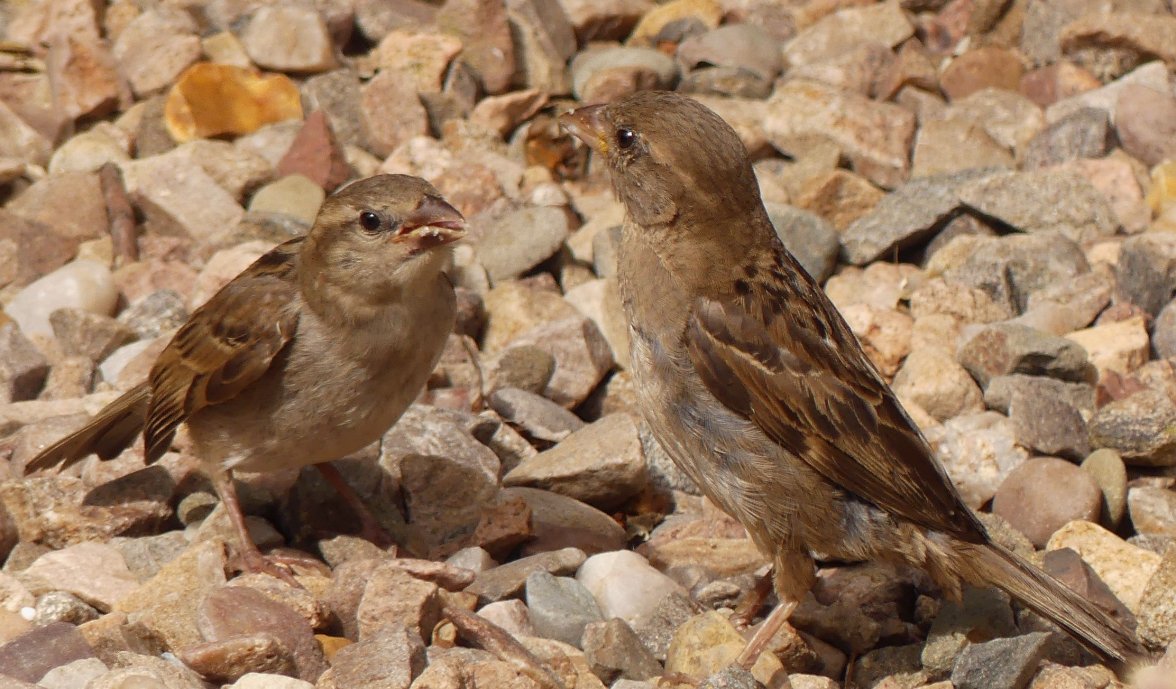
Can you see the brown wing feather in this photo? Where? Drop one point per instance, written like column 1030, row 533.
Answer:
column 227, row 344
column 802, row 378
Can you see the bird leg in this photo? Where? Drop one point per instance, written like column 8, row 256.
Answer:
column 763, row 636
column 248, row 557
column 370, row 528
column 751, row 602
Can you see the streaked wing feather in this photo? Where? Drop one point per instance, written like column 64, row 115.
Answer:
column 821, row 399
column 228, row 344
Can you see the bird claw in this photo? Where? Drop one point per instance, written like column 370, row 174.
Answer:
column 278, row 566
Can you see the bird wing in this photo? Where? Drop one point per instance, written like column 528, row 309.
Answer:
column 800, row 375
column 227, row 344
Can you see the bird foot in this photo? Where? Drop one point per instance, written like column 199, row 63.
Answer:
column 674, row 680
column 279, row 566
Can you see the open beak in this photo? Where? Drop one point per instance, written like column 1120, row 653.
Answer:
column 433, row 223
column 587, row 124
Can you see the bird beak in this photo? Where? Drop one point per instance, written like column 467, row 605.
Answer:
column 588, row 125
column 433, row 223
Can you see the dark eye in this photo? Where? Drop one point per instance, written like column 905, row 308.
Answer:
column 625, row 137
column 369, row 220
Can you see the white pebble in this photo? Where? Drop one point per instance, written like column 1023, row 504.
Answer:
column 82, row 284
column 625, row 585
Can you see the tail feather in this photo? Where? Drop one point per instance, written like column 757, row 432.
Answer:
column 110, row 432
column 997, row 566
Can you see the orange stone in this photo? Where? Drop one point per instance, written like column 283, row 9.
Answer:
column 214, row 99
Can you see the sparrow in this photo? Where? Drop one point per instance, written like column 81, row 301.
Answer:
column 757, row 388
column 310, row 354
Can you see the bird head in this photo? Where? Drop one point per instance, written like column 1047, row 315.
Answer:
column 379, row 235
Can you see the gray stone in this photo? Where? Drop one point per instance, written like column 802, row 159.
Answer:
column 983, row 613
column 159, row 312
column 88, row 335
column 602, row 464
column 1141, row 428
column 811, row 239
column 1145, row 120
column 1003, row 348
column 521, row 240
column 524, row 368
column 1146, row 272
column 1163, row 336
column 1085, row 133
column 1043, row 201
column 1000, row 663
column 731, row 677
column 558, row 521
column 1001, row 389
column 1009, row 267
column 656, row 630
column 1109, row 472
column 890, row 665
column 582, row 356
column 730, row 82
column 911, row 214
column 537, row 417
column 560, row 607
column 1049, row 425
column 509, row 579
column 745, row 46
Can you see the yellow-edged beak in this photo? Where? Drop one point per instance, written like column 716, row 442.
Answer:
column 587, row 124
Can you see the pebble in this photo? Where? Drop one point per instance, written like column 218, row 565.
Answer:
column 84, row 284
column 1000, row 663
column 512, row 615
column 1157, row 606
column 75, row 675
column 1152, row 510
column 509, row 579
column 982, row 614
column 391, row 656
column 521, row 240
column 29, row 656
column 1044, row 494
column 1004, row 348
column 95, row 572
column 811, row 239
column 601, row 464
column 643, row 589
column 708, row 643
column 582, row 357
column 1109, row 472
column 1139, row 428
column 558, row 521
column 1125, row 568
column 233, row 611
column 978, row 451
column 22, row 366
column 615, row 652
column 1121, row 347
column 266, row 39
column 560, row 607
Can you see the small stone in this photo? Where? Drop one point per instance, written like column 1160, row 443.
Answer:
column 898, row 665
column 558, row 521
column 32, row 654
column 82, row 284
column 839, row 196
column 1004, row 348
column 316, row 154
column 262, row 680
column 88, row 335
column 582, row 357
column 839, row 31
column 708, row 643
column 179, row 198
column 1071, row 570
column 560, row 607
column 485, row 33
column 156, row 47
column 626, row 586
column 210, row 99
column 1121, row 346
column 509, row 579
column 932, row 379
column 1000, row 663
column 706, row 13
column 390, row 658
column 71, row 203
column 875, row 136
column 744, row 46
column 1157, row 606
column 391, row 119
column 19, row 140
column 230, row 659
column 266, row 39
column 505, row 113
column 1153, row 510
column 94, row 572
column 601, row 464
column 84, row 78
column 1109, row 472
column 946, row 146
column 978, row 451
column 23, row 369
column 604, row 21
column 1049, row 425
column 1125, row 568
column 512, row 615
column 538, row 417
column 984, row 67
column 294, row 195
column 1044, row 494
column 615, row 652
column 522, row 240
column 1141, row 428
column 75, row 675
column 159, row 312
column 1001, row 390
column 983, row 614
column 812, row 240
column 60, row 606
column 1084, row 133
column 233, row 611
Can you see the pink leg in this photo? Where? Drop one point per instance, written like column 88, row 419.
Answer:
column 763, row 635
column 248, row 558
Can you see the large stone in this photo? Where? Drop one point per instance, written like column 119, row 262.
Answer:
column 1000, row 663
column 390, row 658
column 1043, row 201
column 560, row 607
column 582, row 357
column 1141, row 428
column 1003, row 348
column 521, row 240
column 1044, row 494
column 94, row 572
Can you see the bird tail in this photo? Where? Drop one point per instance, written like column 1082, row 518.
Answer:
column 996, row 565
column 110, row 432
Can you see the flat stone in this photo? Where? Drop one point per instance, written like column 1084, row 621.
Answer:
column 1146, row 271
column 538, row 417
column 266, row 39
column 1003, row 348
column 232, row 611
column 1153, row 510
column 95, row 572
column 582, row 357
column 509, row 579
column 1001, row 389
column 1068, row 567
column 1121, row 346
column 601, row 464
column 156, row 47
column 88, row 335
column 230, row 659
column 1000, row 663
column 180, row 198
column 1063, row 203
column 950, row 145
column 29, row 656
column 558, row 521
column 983, row 613
column 70, row 203
column 512, row 615
column 75, row 675
column 23, row 369
column 1084, row 133
column 485, row 33
column 60, row 606
column 1049, row 425
column 841, row 30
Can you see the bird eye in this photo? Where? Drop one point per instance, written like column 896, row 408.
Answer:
column 369, row 220
column 625, row 137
